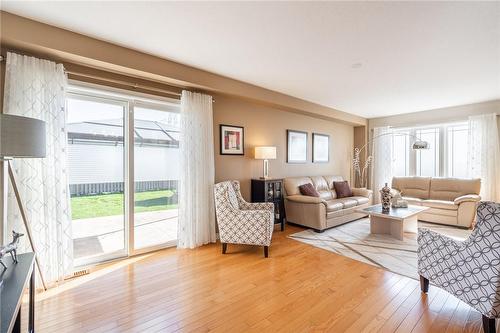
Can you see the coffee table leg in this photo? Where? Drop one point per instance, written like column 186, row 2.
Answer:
column 397, row 229
column 410, row 224
column 380, row 225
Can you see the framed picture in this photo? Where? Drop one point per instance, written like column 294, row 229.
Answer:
column 296, row 145
column 321, row 148
column 232, row 140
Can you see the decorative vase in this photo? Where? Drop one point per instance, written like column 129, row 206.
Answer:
column 385, row 197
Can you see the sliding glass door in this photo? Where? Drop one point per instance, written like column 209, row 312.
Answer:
column 96, row 159
column 156, row 174
column 123, row 174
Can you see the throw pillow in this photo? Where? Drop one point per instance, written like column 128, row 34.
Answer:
column 342, row 188
column 309, row 190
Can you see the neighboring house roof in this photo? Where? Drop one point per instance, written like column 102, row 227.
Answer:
column 110, row 131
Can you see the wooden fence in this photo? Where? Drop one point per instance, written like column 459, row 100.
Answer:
column 117, row 187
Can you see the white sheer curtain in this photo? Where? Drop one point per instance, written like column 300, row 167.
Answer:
column 382, row 160
column 484, row 155
column 197, row 176
column 36, row 88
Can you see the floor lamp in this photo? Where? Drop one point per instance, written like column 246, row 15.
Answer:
column 20, row 137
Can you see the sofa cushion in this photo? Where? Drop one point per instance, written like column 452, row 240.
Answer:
column 360, row 200
column 309, row 190
column 452, row 188
column 413, row 201
column 320, row 183
column 416, row 187
column 332, row 206
column 330, row 180
column 342, row 189
column 322, row 187
column 292, row 184
column 346, row 202
column 441, row 204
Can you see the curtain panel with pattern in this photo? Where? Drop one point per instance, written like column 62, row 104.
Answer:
column 36, row 88
column 197, row 176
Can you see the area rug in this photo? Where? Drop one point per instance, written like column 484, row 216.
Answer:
column 354, row 240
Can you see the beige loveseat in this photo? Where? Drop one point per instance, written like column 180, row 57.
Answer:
column 452, row 201
column 326, row 211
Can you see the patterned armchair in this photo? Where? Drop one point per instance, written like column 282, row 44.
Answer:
column 469, row 270
column 241, row 222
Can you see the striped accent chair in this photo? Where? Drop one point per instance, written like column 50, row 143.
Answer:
column 241, row 222
column 469, row 270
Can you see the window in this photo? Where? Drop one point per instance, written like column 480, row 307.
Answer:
column 427, row 160
column 446, row 156
column 457, row 146
column 401, row 154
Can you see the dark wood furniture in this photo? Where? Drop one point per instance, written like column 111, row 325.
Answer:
column 270, row 190
column 16, row 279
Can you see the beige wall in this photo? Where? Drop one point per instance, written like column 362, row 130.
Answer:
column 267, row 126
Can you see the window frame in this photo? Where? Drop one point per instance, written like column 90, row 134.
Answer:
column 443, row 145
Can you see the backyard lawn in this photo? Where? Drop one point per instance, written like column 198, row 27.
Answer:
column 112, row 204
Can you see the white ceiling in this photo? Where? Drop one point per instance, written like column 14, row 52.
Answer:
column 410, row 56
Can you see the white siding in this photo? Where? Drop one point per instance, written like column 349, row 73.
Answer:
column 90, row 164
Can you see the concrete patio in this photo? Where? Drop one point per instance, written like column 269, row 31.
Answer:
column 101, row 235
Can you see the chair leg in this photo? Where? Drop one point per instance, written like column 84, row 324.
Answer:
column 224, row 248
column 266, row 251
column 489, row 325
column 424, row 284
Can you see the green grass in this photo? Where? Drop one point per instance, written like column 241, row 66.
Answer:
column 112, row 204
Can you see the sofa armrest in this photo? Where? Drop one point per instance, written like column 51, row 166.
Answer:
column 467, row 197
column 361, row 192
column 304, row 199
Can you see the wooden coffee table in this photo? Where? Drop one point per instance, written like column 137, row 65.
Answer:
column 395, row 222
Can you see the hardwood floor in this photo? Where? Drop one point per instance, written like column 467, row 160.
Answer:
column 299, row 288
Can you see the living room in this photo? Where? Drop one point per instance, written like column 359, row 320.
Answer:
column 245, row 166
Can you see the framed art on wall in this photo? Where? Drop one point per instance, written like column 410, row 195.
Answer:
column 296, row 145
column 232, row 140
column 321, row 148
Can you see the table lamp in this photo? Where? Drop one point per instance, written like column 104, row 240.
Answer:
column 266, row 154
column 20, row 137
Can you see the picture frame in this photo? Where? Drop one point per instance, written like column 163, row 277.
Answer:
column 232, row 140
column 296, row 146
column 320, row 148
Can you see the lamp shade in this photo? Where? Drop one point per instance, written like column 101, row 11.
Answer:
column 419, row 144
column 265, row 153
column 21, row 136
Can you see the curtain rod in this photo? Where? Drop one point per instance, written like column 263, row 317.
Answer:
column 134, row 85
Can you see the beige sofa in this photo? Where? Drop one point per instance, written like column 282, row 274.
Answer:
column 326, row 211
column 452, row 201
